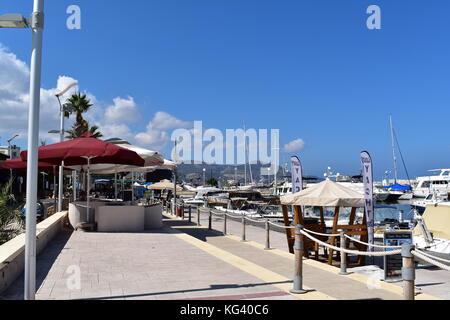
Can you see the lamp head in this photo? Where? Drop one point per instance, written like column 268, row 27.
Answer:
column 13, row 21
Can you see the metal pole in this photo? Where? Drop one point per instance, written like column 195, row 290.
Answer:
column 198, row 216
column 175, row 191
column 54, row 186
column 225, row 224
column 88, row 184
column 408, row 271
column 343, row 270
column 182, row 211
column 10, row 170
column 61, row 168
column 298, row 249
column 115, row 183
column 243, row 229
column 210, row 219
column 32, row 158
column 74, row 185
column 132, row 188
column 267, row 235
column 190, row 214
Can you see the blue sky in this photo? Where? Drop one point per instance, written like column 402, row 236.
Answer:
column 309, row 68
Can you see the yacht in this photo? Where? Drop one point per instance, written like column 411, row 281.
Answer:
column 440, row 182
column 432, row 231
column 434, row 197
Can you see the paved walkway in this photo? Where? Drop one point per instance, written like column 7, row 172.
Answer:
column 151, row 266
column 184, row 261
column 429, row 280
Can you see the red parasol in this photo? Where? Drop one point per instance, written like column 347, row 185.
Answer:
column 86, row 149
column 77, row 151
column 19, row 164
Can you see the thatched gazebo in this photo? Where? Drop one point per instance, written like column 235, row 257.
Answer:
column 324, row 194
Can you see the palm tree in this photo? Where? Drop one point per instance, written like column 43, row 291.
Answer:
column 78, row 130
column 11, row 223
column 80, row 104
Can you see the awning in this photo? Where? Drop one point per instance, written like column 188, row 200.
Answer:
column 325, row 194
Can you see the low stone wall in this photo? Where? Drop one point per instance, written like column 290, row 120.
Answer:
column 12, row 253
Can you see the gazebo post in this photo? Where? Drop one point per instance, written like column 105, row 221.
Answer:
column 351, row 220
column 322, row 219
column 284, row 209
column 298, row 216
column 334, row 230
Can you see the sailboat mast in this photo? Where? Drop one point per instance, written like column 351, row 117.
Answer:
column 245, row 160
column 393, row 150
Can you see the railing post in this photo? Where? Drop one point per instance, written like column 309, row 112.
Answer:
column 190, row 214
column 298, row 274
column 198, row 216
column 343, row 270
column 267, row 235
column 408, row 271
column 243, row 229
column 225, row 224
column 210, row 220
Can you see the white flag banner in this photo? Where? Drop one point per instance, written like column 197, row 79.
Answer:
column 297, row 177
column 366, row 161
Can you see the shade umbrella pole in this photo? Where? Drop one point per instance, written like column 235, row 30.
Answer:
column 54, row 186
column 88, row 189
column 132, row 187
column 115, row 183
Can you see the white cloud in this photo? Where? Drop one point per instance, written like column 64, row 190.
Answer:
column 14, row 99
column 113, row 119
column 122, row 111
column 156, row 135
column 164, row 121
column 294, row 145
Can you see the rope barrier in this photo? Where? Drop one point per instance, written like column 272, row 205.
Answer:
column 371, row 245
column 281, row 226
column 256, row 221
column 220, row 214
column 361, row 253
column 433, row 257
column 429, row 260
column 232, row 216
column 322, row 234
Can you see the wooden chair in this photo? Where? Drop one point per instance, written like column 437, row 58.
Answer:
column 309, row 245
column 351, row 230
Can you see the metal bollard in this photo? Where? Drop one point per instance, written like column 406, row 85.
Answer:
column 267, row 235
column 408, row 271
column 298, row 249
column 224, row 224
column 343, row 270
column 182, row 211
column 198, row 216
column 243, row 229
column 210, row 220
column 190, row 214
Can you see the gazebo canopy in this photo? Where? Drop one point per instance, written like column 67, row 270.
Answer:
column 164, row 185
column 325, row 194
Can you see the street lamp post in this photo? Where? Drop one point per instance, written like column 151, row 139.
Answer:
column 36, row 23
column 204, row 176
column 10, row 157
column 62, row 109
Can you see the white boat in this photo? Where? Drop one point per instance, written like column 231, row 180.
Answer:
column 440, row 181
column 433, row 198
column 432, row 232
column 203, row 193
